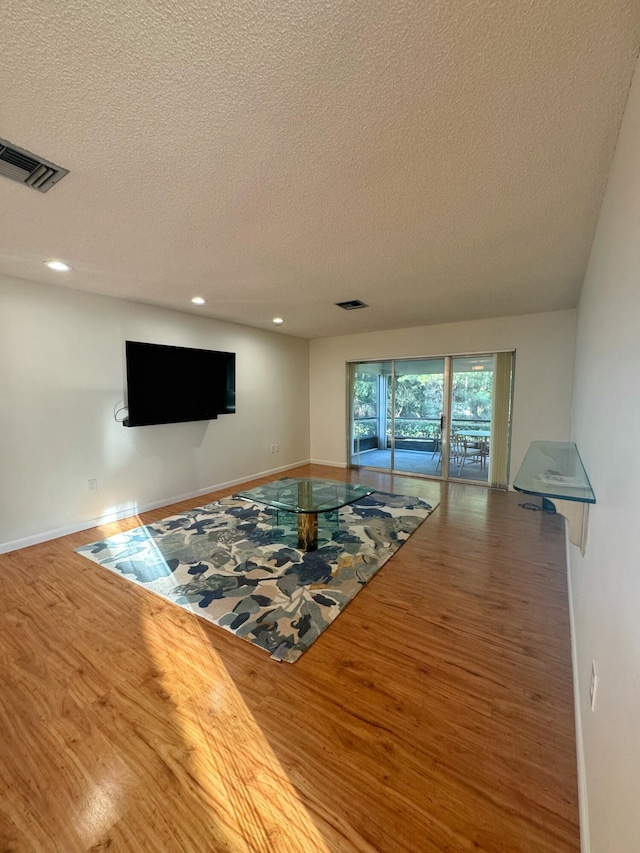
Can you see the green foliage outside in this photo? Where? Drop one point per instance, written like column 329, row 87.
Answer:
column 419, row 403
column 472, row 395
column 417, row 397
column 365, row 398
column 365, row 428
column 416, row 428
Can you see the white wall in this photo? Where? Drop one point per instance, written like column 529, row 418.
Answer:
column 62, row 373
column 606, row 426
column 544, row 345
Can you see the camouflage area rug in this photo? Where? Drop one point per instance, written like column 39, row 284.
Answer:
column 234, row 563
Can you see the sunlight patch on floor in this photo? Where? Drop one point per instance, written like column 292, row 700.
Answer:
column 238, row 778
column 111, row 522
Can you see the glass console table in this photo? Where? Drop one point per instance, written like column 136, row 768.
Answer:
column 554, row 471
column 307, row 498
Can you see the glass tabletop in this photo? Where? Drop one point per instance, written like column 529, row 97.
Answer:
column 306, row 495
column 553, row 469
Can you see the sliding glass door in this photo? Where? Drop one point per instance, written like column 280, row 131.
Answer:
column 370, row 384
column 397, row 411
column 470, row 424
column 446, row 417
column 416, row 406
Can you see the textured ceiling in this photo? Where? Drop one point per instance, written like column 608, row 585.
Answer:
column 440, row 160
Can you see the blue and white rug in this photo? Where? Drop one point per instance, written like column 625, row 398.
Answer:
column 235, row 563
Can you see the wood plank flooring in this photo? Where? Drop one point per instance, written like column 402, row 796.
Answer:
column 435, row 714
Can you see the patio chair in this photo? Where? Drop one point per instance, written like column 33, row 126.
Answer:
column 437, row 444
column 464, row 450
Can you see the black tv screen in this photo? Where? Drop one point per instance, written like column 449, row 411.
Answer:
column 167, row 385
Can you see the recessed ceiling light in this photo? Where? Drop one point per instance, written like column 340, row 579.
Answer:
column 278, row 321
column 58, row 266
column 198, row 300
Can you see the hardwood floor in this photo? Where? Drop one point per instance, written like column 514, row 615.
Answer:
column 435, row 714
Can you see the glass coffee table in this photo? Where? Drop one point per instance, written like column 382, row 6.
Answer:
column 307, row 498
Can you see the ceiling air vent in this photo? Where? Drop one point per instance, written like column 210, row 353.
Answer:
column 28, row 168
column 352, row 304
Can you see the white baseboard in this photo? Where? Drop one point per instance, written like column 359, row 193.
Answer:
column 583, row 805
column 135, row 509
column 331, row 464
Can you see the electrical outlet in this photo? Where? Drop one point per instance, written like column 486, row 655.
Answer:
column 277, row 446
column 273, row 448
column 593, row 687
column 93, row 485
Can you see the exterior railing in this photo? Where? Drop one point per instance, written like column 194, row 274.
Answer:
column 416, row 427
column 460, row 424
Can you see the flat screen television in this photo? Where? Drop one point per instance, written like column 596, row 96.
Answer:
column 167, row 385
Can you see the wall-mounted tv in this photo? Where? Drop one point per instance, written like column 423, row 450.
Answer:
column 167, row 385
